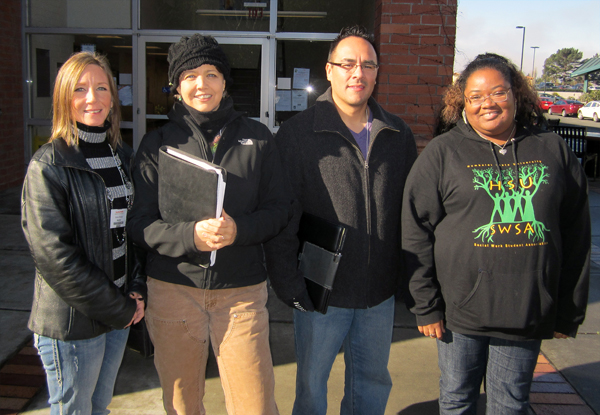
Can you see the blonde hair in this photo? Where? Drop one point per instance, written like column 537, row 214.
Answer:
column 63, row 123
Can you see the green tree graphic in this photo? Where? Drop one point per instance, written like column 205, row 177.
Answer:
column 513, row 201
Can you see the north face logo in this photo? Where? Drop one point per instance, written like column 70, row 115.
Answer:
column 246, row 141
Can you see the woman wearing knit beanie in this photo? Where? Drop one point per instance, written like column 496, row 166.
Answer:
column 192, row 302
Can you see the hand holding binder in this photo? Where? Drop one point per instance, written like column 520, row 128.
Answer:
column 215, row 233
column 190, row 189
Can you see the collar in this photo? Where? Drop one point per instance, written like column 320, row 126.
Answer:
column 64, row 155
column 91, row 134
column 327, row 118
column 181, row 116
column 521, row 132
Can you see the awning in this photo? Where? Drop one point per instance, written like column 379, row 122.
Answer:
column 591, row 65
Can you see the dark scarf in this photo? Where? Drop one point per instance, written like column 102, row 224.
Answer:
column 212, row 122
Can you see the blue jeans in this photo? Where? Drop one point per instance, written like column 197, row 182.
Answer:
column 81, row 374
column 366, row 335
column 506, row 364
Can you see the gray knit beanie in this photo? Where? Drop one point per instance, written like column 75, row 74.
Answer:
column 192, row 52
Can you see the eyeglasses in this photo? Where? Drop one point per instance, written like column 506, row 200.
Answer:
column 351, row 67
column 498, row 96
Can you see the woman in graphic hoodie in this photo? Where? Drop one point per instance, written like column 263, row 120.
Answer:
column 496, row 233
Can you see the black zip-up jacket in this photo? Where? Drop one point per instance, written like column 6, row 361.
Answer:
column 256, row 197
column 331, row 179
column 498, row 242
column 65, row 218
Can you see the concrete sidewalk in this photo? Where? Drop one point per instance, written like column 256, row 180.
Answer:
column 413, row 361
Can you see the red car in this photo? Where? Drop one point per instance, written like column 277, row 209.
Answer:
column 565, row 107
column 545, row 103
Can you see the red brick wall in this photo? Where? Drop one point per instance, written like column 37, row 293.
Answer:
column 416, row 45
column 12, row 164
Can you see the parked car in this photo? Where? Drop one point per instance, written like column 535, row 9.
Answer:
column 590, row 110
column 545, row 95
column 565, row 107
column 545, row 102
column 545, row 85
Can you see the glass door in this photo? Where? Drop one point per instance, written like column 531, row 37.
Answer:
column 249, row 70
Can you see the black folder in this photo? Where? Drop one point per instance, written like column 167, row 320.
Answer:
column 189, row 188
column 321, row 243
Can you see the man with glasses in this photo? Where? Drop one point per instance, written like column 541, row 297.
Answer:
column 347, row 160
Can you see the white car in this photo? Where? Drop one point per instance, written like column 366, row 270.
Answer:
column 590, row 110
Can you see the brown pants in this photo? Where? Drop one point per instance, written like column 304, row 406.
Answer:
column 180, row 320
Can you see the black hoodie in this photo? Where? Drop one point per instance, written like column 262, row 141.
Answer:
column 492, row 249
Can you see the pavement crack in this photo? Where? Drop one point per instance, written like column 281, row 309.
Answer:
column 15, row 248
column 16, row 309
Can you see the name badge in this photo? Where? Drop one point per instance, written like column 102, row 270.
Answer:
column 118, row 218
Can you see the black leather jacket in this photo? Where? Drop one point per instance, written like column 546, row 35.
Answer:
column 65, row 218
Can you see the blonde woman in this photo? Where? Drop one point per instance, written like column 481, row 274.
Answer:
column 75, row 200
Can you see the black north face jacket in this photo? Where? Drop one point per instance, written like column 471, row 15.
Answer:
column 256, row 197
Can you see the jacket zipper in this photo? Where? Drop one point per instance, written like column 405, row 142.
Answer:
column 365, row 161
column 221, row 140
column 208, row 271
column 199, row 136
column 108, row 239
column 107, row 209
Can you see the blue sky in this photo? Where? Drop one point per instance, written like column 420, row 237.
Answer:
column 490, row 26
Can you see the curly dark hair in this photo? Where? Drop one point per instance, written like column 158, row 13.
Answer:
column 527, row 100
column 357, row 31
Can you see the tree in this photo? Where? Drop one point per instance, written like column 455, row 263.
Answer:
column 513, row 200
column 560, row 64
column 590, row 96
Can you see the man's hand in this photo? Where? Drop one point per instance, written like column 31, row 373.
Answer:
column 301, row 302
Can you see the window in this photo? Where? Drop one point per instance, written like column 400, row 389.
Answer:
column 110, row 14
column 301, row 76
column 323, row 16
column 206, row 15
column 51, row 51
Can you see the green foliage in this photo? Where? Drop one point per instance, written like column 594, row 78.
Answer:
column 560, row 64
column 590, row 96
